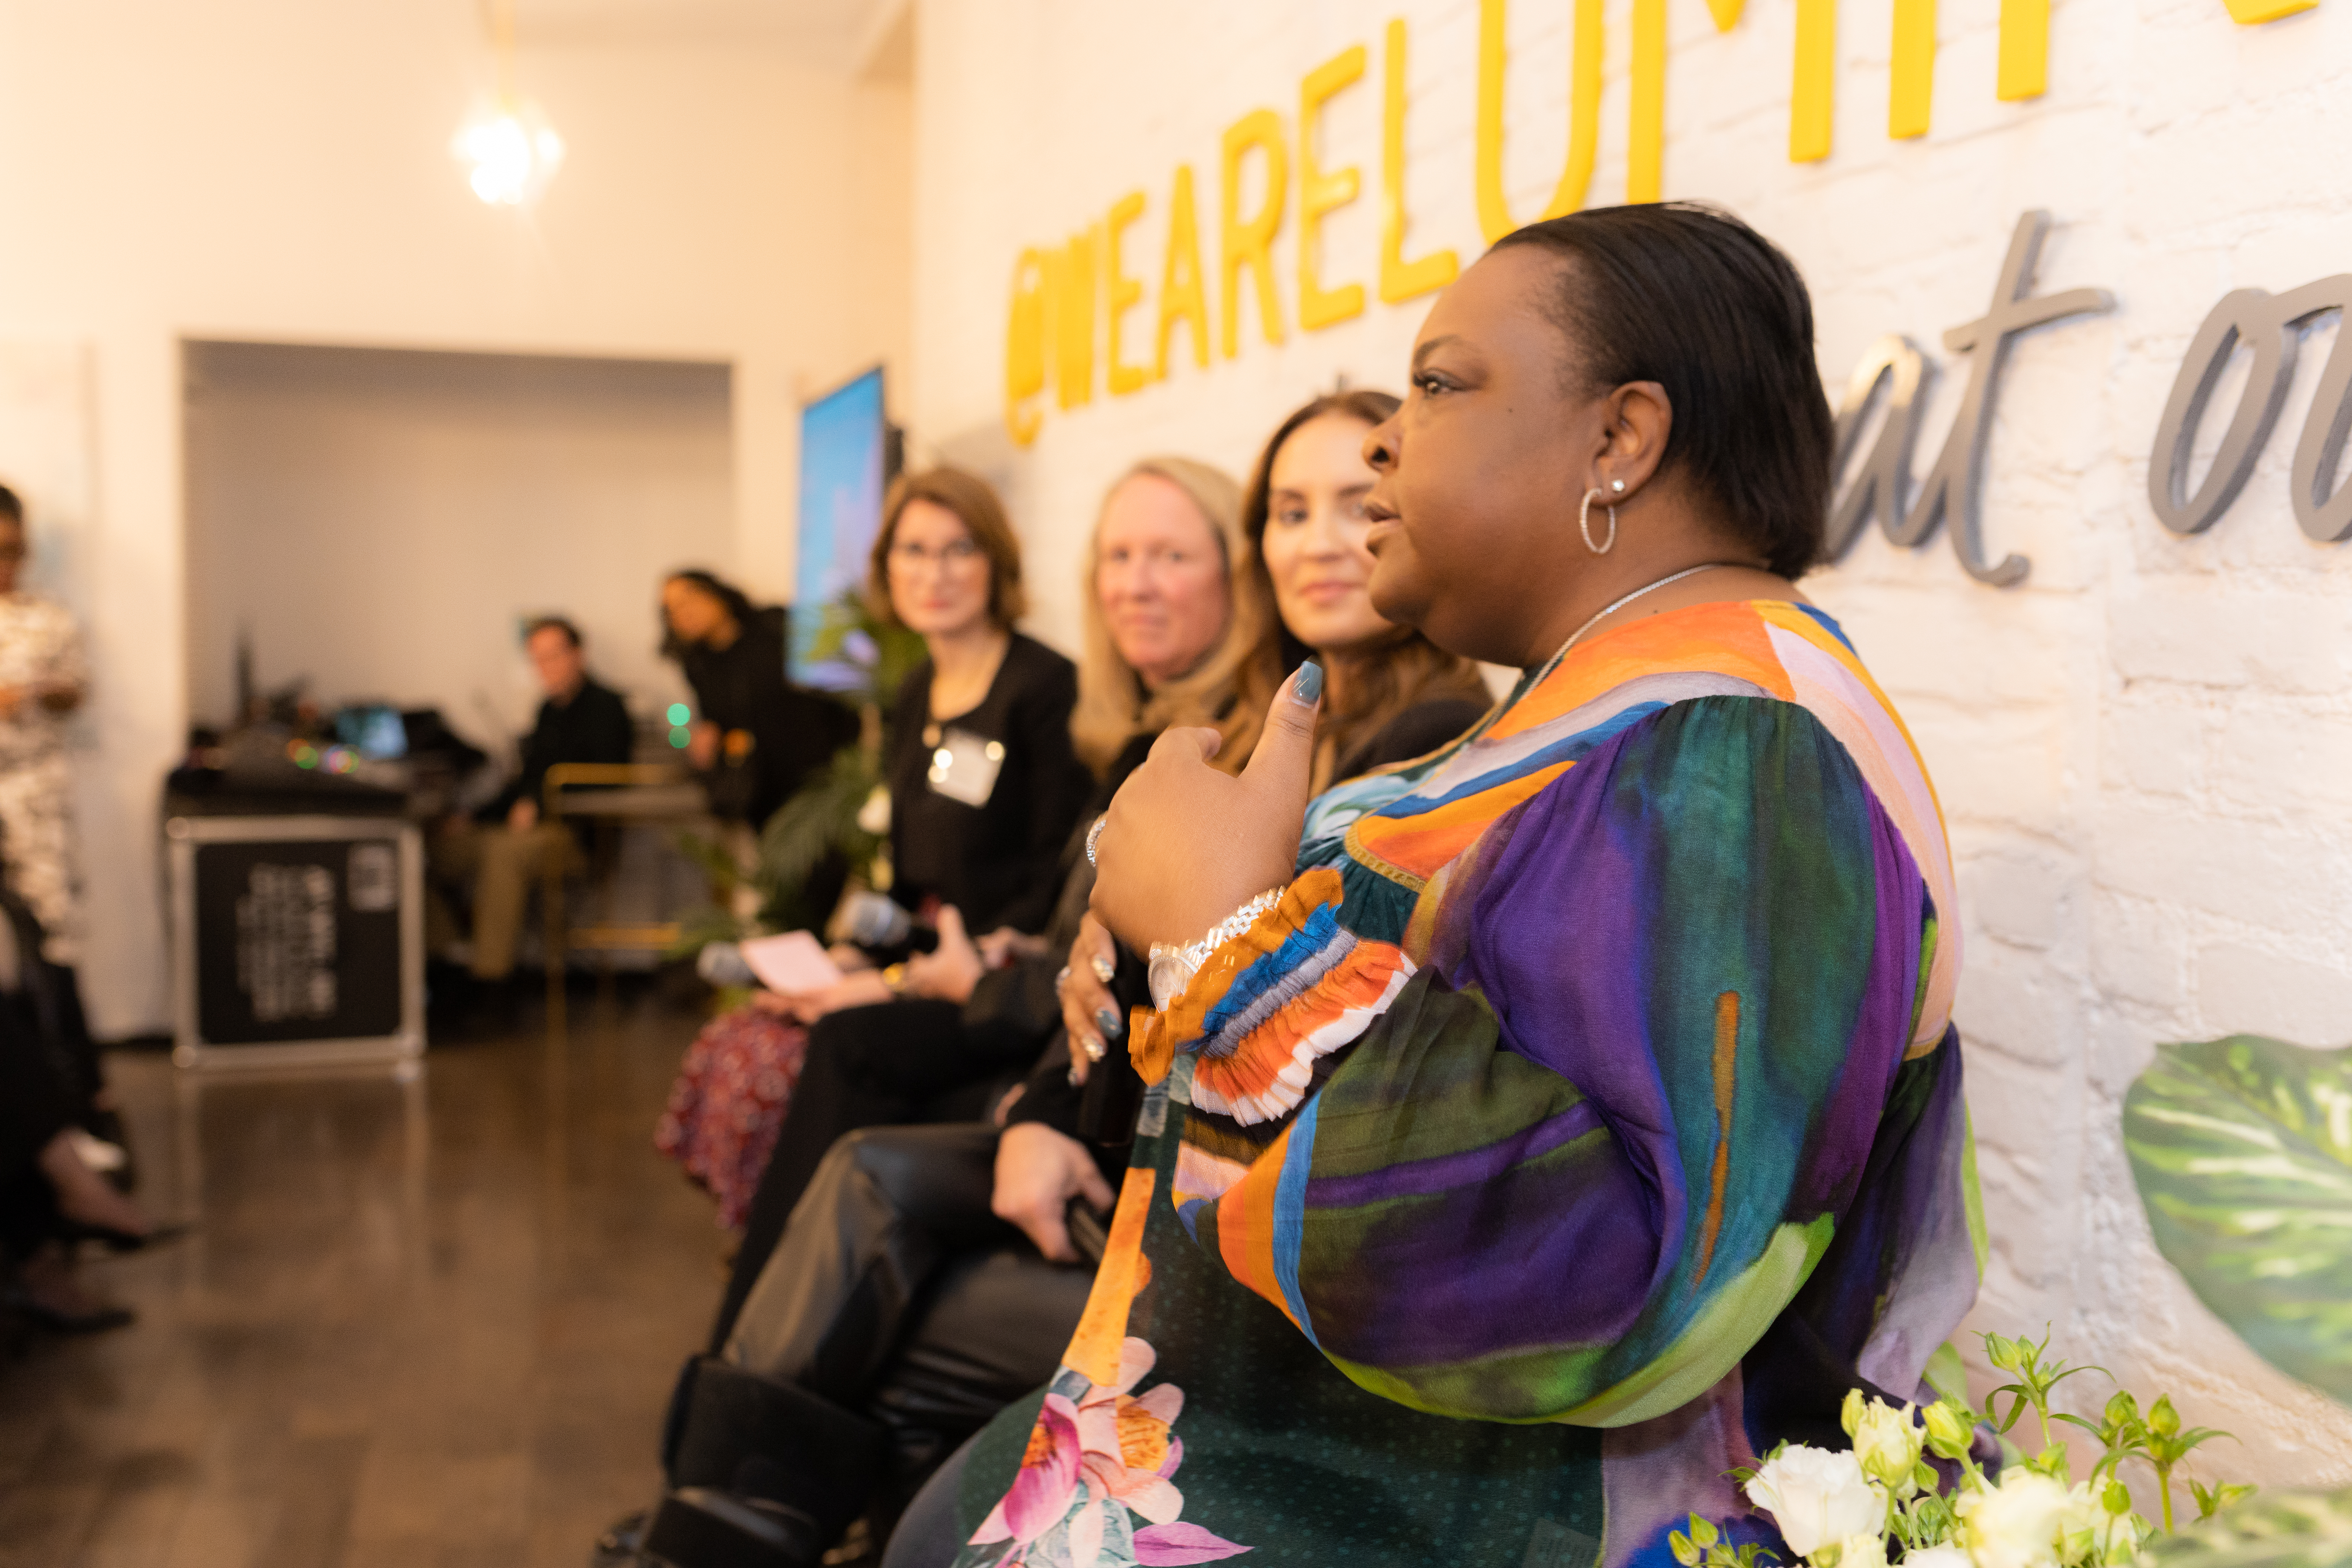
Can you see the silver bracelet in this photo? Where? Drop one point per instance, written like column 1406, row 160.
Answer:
column 1173, row 965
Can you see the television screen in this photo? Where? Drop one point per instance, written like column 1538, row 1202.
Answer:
column 845, row 441
column 373, row 729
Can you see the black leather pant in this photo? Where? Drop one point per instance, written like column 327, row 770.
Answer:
column 895, row 1318
column 882, row 1066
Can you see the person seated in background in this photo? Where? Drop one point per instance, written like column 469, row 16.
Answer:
column 756, row 737
column 507, row 846
column 912, row 1295
column 983, row 789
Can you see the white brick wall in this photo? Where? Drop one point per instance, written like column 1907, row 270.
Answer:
column 2146, row 751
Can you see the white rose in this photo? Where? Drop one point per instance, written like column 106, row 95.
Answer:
column 1861, row 1552
column 1817, row 1498
column 1936, row 1557
column 1886, row 1442
column 2016, row 1524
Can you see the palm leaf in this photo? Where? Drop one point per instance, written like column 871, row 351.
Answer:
column 2242, row 1151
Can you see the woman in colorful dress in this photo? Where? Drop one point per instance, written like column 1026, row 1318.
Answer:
column 1541, row 1130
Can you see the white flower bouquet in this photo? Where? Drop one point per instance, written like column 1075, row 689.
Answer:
column 1884, row 1500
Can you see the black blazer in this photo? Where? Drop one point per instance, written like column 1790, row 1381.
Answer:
column 996, row 862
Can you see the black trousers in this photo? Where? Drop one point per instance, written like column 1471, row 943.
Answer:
column 894, row 1063
column 896, row 1314
column 40, row 1097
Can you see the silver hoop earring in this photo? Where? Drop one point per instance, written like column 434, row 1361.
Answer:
column 1584, row 524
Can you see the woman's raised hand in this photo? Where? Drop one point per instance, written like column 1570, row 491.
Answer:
column 1089, row 1012
column 1186, row 846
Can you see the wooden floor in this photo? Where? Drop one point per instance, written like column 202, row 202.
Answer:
column 432, row 1326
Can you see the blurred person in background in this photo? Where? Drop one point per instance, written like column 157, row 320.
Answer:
column 756, row 738
column 506, row 847
column 59, row 1134
column 43, row 678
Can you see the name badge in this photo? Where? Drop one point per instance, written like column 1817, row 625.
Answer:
column 965, row 766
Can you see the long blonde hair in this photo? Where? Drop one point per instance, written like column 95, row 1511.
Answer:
column 1229, row 689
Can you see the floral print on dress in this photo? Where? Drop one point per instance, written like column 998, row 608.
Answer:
column 1095, row 1488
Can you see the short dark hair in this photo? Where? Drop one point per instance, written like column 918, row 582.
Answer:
column 1691, row 298
column 12, row 510
column 538, row 624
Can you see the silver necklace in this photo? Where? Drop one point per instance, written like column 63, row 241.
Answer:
column 1610, row 609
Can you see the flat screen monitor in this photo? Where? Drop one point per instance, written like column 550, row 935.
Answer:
column 373, row 729
column 844, row 446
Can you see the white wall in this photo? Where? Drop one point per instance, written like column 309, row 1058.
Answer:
column 270, row 170
column 380, row 522
column 2142, row 750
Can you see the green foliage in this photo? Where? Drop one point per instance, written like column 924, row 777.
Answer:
column 849, row 633
column 2242, row 1151
column 2280, row 1529
column 1704, row 1547
column 817, row 829
column 2035, row 1379
column 815, row 825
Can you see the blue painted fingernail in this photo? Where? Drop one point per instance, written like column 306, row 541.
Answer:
column 1106, row 1019
column 1308, row 686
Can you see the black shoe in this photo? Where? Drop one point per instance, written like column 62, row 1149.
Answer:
column 124, row 1241
column 620, row 1546
column 40, row 1314
column 700, row 1527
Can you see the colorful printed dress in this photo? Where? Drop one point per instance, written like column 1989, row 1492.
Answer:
column 1585, row 1118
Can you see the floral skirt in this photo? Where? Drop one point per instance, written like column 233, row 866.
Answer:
column 733, row 1088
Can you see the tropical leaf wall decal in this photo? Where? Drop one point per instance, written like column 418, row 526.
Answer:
column 2277, row 1530
column 2242, row 1151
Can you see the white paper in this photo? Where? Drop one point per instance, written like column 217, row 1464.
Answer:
column 792, row 962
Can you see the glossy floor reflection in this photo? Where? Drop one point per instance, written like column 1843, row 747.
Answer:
column 432, row 1325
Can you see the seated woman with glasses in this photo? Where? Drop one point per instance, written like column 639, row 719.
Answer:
column 984, row 788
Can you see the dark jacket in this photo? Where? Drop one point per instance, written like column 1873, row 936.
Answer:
column 794, row 732
column 997, row 862
column 593, row 727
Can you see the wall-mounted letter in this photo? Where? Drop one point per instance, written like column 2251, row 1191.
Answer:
column 1896, row 372
column 1812, row 89
column 2023, row 69
column 1402, row 279
column 1911, row 88
column 1953, row 491
column 1119, row 293
column 1182, row 296
column 1583, row 116
column 1070, row 283
column 1248, row 244
column 1025, row 349
column 2251, row 12
column 2271, row 326
column 1320, row 192
column 1646, row 140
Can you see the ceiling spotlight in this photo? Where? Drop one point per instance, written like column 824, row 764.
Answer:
column 510, row 153
column 509, row 150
